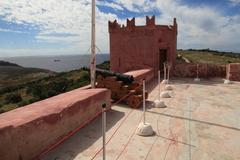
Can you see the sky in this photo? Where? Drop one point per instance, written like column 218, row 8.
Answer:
column 62, row 27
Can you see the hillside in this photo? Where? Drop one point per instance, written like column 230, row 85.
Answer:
column 4, row 63
column 13, row 74
column 209, row 56
column 36, row 89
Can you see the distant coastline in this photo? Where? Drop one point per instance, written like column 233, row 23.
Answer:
column 64, row 63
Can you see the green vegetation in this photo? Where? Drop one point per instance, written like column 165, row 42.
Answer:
column 13, row 98
column 35, row 89
column 105, row 65
column 209, row 56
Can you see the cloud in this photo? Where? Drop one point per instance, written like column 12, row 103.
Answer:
column 12, row 31
column 58, row 17
column 58, row 39
column 137, row 5
column 202, row 26
column 111, row 5
column 235, row 2
column 69, row 21
column 37, row 52
column 199, row 26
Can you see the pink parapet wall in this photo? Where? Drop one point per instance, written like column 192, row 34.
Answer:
column 204, row 70
column 233, row 71
column 27, row 131
column 137, row 47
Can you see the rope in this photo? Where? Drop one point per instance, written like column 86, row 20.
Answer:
column 112, row 134
column 122, row 98
column 151, row 147
column 71, row 133
column 125, row 146
column 158, row 134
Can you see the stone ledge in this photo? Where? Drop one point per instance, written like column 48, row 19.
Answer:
column 26, row 131
column 233, row 71
column 141, row 74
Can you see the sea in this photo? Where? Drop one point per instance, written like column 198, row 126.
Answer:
column 61, row 63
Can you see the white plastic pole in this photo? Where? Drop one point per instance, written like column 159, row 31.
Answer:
column 93, row 47
column 104, row 130
column 144, row 103
column 169, row 67
column 159, row 84
column 164, row 71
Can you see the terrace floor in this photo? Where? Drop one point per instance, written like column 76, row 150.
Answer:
column 201, row 122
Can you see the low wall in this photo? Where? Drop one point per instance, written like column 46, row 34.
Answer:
column 26, row 131
column 138, row 75
column 205, row 70
column 233, row 71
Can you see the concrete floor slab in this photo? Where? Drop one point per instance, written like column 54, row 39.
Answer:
column 201, row 121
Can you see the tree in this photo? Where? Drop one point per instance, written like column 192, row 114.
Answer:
column 13, row 98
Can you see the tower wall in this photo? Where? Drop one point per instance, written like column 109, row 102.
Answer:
column 137, row 47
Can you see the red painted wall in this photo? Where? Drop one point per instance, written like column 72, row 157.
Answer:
column 137, row 47
column 205, row 70
column 233, row 71
column 26, row 131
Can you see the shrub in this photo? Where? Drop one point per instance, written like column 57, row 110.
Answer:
column 85, row 77
column 13, row 98
column 105, row 65
column 38, row 91
column 58, row 86
column 1, row 111
column 33, row 100
column 23, row 103
column 52, row 93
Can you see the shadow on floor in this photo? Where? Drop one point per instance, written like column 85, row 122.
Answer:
column 195, row 120
column 204, row 81
column 86, row 137
column 175, row 81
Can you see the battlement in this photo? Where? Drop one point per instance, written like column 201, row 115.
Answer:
column 113, row 25
column 150, row 21
column 130, row 24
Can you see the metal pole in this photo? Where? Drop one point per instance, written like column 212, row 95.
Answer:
column 93, row 47
column 104, row 130
column 197, row 70
column 144, row 104
column 159, row 84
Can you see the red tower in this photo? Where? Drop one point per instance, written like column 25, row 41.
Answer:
column 137, row 47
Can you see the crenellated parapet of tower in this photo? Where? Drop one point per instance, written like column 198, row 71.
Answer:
column 150, row 21
column 130, row 25
column 113, row 25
